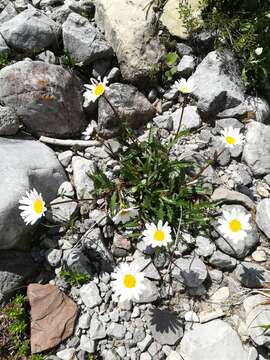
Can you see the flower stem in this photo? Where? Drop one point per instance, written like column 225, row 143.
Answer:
column 181, row 116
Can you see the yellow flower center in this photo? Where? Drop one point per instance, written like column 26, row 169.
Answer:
column 184, row 89
column 129, row 281
column 99, row 89
column 38, row 206
column 159, row 235
column 230, row 140
column 235, row 225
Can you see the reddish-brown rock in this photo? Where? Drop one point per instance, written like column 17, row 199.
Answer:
column 53, row 316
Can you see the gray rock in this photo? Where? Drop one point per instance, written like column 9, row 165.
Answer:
column 256, row 105
column 165, row 326
column 8, row 12
column 164, row 121
column 263, row 216
column 191, row 118
column 110, row 355
column 238, row 249
column 87, row 345
column 66, row 189
column 83, row 41
column 24, row 165
column 222, row 261
column 143, row 345
column 186, row 65
column 97, row 329
column 204, row 246
column 9, row 121
column 113, row 75
column 15, row 268
column 150, row 294
column 256, row 153
column 90, row 295
column 77, row 261
column 48, row 57
column 252, row 275
column 222, row 194
column 136, row 49
column 257, row 314
column 30, row 30
column 53, row 257
column 84, row 321
column 4, row 49
column 65, row 157
column 212, row 340
column 190, row 270
column 62, row 209
column 83, row 184
column 223, row 90
column 129, row 103
column 183, row 49
column 47, row 98
column 116, row 331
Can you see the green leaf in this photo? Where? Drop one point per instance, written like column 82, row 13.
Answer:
column 171, row 58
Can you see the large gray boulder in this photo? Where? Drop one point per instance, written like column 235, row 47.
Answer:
column 210, row 341
column 217, row 84
column 83, row 41
column 129, row 103
column 256, row 153
column 15, row 268
column 131, row 34
column 46, row 97
column 30, row 31
column 25, row 164
column 4, row 49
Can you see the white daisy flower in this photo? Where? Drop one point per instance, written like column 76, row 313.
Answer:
column 259, row 51
column 124, row 215
column 32, row 206
column 184, row 86
column 96, row 89
column 157, row 236
column 89, row 130
column 234, row 225
column 231, row 137
column 128, row 282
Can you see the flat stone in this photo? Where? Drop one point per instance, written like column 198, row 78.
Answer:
column 63, row 209
column 212, row 340
column 190, row 270
column 222, row 194
column 186, row 65
column 252, row 275
column 84, row 321
column 165, row 326
column 83, row 41
column 90, row 295
column 222, row 261
column 54, row 256
column 143, row 345
column 204, row 247
column 221, row 295
column 83, row 184
column 53, row 316
column 66, row 354
column 136, row 49
column 47, row 98
column 31, row 30
column 257, row 314
column 256, row 153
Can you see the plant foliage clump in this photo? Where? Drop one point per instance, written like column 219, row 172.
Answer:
column 151, row 180
column 242, row 26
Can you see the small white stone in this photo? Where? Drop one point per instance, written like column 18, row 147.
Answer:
column 221, row 295
column 259, row 256
column 67, row 354
column 174, row 356
column 206, row 316
column 191, row 316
